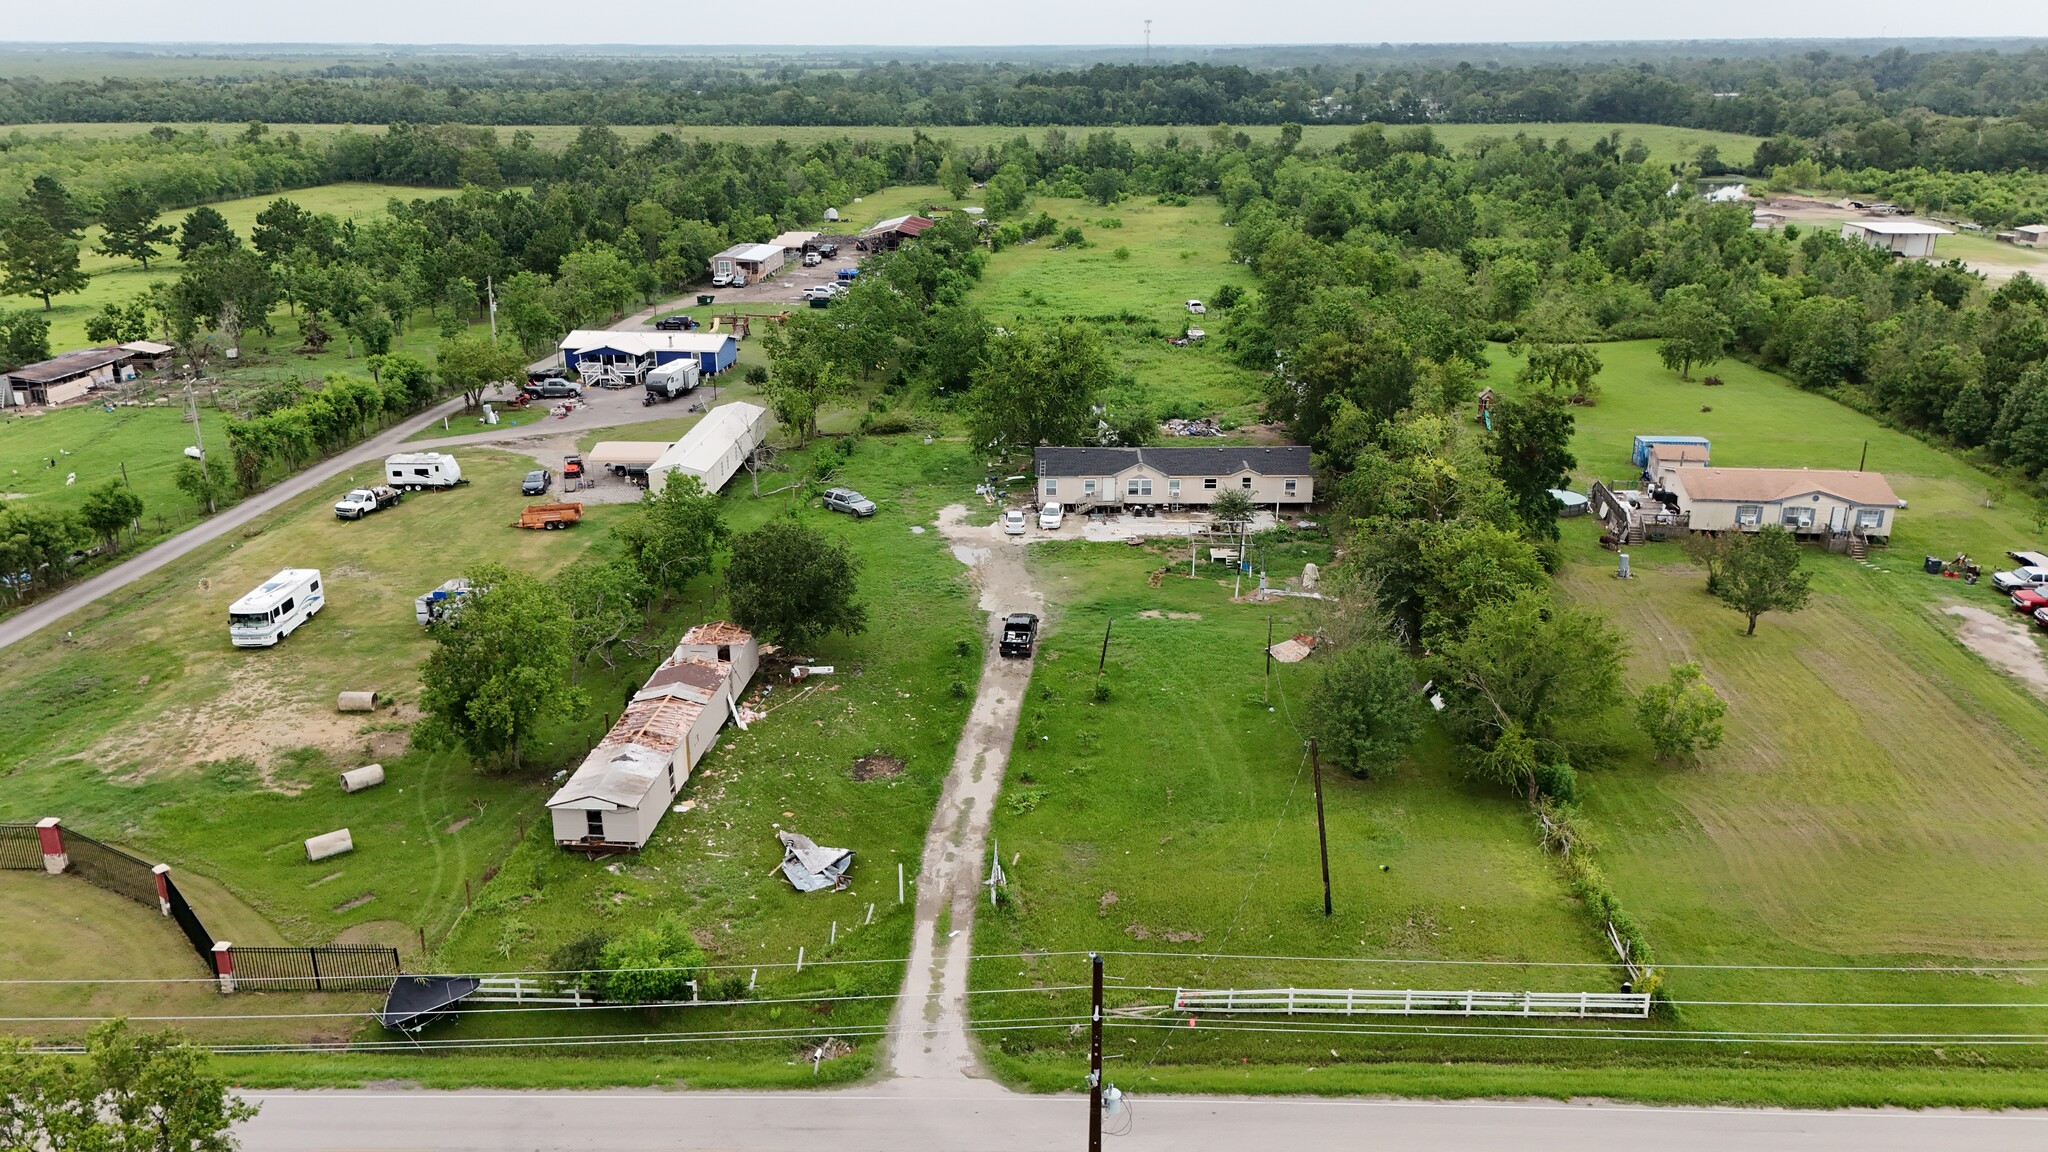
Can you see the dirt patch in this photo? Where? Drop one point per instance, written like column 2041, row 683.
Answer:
column 879, row 766
column 1156, row 614
column 255, row 716
column 458, row 826
column 2004, row 644
column 1103, row 905
column 357, row 902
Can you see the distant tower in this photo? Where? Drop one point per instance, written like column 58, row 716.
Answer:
column 1148, row 41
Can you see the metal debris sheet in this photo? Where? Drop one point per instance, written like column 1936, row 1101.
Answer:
column 810, row 867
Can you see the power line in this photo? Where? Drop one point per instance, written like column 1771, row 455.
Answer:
column 535, row 1007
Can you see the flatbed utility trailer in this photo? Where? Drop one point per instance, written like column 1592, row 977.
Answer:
column 549, row 516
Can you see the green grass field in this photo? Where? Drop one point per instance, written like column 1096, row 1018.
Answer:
column 1878, row 800
column 220, row 761
column 1665, row 144
column 143, row 444
column 1177, row 819
column 118, row 281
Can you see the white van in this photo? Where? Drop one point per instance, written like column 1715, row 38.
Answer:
column 278, row 605
column 413, row 471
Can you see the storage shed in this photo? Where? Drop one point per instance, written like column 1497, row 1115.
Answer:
column 595, row 353
column 1640, row 455
column 714, row 449
column 751, row 260
column 887, row 234
column 1913, row 238
column 625, row 457
column 616, row 798
column 63, row 379
column 794, row 243
column 2031, row 235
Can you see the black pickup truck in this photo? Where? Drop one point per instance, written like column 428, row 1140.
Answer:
column 1020, row 633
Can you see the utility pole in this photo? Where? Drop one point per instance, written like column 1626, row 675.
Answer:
column 199, row 439
column 1865, row 458
column 1095, row 1057
column 1104, row 661
column 1322, row 832
column 1148, row 41
column 1269, row 659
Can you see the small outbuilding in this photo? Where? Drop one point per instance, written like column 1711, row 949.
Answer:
column 63, row 379
column 795, row 243
column 750, row 260
column 1909, row 238
column 2031, row 235
column 714, row 449
column 887, row 234
column 627, row 457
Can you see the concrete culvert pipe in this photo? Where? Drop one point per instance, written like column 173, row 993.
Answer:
column 357, row 702
column 332, row 844
column 357, row 779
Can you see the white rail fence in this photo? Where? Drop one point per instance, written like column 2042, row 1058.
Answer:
column 521, row 990
column 1410, row 1002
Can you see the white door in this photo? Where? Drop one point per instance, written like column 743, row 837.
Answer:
column 1838, row 519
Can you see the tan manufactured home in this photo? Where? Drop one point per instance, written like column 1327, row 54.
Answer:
column 618, row 795
column 1808, row 502
column 1084, row 478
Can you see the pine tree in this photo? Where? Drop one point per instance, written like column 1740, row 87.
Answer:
column 129, row 225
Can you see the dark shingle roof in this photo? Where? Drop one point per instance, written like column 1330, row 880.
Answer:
column 1192, row 460
column 69, row 364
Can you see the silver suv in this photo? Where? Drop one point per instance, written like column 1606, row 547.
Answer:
column 850, row 502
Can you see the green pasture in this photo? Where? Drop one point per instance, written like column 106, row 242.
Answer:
column 145, row 727
column 118, row 281
column 144, row 444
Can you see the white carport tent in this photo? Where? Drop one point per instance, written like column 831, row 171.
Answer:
column 714, row 449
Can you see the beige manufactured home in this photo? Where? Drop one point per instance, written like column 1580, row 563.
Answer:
column 1808, row 502
column 1084, row 478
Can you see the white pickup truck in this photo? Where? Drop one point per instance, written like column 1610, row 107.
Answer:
column 360, row 502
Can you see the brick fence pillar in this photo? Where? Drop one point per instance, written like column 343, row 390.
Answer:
column 163, row 888
column 51, row 832
column 224, row 965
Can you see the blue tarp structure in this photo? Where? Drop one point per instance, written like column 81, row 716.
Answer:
column 1643, row 443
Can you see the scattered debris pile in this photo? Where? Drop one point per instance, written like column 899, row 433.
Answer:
column 810, row 867
column 1206, row 426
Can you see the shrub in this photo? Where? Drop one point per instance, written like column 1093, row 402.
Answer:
column 1682, row 716
column 757, row 375
column 651, row 965
column 571, row 961
column 1121, row 253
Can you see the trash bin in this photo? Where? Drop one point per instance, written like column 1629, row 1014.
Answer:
column 705, row 298
column 1933, row 565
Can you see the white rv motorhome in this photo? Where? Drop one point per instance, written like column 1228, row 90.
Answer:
column 278, row 605
column 413, row 471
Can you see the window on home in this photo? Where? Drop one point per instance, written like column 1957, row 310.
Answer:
column 1087, row 487
column 1290, row 486
column 1245, row 482
column 1749, row 515
column 1138, row 486
column 1052, row 487
column 1209, row 485
column 1867, row 518
column 593, row 825
column 1799, row 517
column 1173, row 489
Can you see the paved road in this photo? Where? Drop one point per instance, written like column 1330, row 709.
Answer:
column 887, row 1118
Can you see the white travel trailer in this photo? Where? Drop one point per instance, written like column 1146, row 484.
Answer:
column 278, row 605
column 413, row 471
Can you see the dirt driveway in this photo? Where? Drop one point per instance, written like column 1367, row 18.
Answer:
column 930, row 1022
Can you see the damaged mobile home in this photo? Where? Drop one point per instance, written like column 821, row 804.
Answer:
column 614, row 800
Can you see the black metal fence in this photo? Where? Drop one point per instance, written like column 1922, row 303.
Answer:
column 337, row 968
column 202, row 940
column 110, row 868
column 19, row 847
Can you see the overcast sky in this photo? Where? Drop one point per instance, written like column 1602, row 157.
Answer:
column 925, row 22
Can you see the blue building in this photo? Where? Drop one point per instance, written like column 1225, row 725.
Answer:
column 629, row 356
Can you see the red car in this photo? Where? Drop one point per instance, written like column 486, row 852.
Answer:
column 2030, row 600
